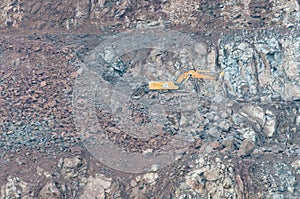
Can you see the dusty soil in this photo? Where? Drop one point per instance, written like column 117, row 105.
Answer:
column 237, row 137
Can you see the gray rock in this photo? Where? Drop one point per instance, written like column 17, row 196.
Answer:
column 257, row 67
column 277, row 180
column 248, row 133
column 228, row 142
column 214, row 132
column 224, row 125
column 237, row 119
column 298, row 121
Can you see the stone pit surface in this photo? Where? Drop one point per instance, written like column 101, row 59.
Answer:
column 242, row 131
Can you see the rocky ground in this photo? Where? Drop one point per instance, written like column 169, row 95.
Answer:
column 66, row 75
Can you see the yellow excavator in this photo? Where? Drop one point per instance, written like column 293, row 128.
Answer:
column 182, row 79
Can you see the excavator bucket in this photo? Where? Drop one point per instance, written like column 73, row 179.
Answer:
column 160, row 85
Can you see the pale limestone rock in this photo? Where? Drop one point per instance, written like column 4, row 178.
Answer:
column 96, row 187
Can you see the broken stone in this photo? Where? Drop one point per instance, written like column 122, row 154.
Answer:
column 239, row 182
column 74, row 75
column 15, row 188
column 154, row 168
column 49, row 191
column 214, row 132
column 246, row 148
column 52, row 103
column 65, row 50
column 133, row 183
column 193, row 182
column 296, row 165
column 113, row 130
column 291, row 91
column 150, row 178
column 70, row 166
column 228, row 143
column 217, row 146
column 270, row 125
column 148, row 152
column 40, row 171
column 96, row 187
column 212, row 174
column 298, row 121
column 136, row 193
column 253, row 113
column 237, row 119
column 43, row 84
column 248, row 133
column 224, row 125
column 73, row 162
column 227, row 183
column 183, row 121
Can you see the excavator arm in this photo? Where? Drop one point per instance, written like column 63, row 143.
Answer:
column 195, row 74
column 181, row 80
